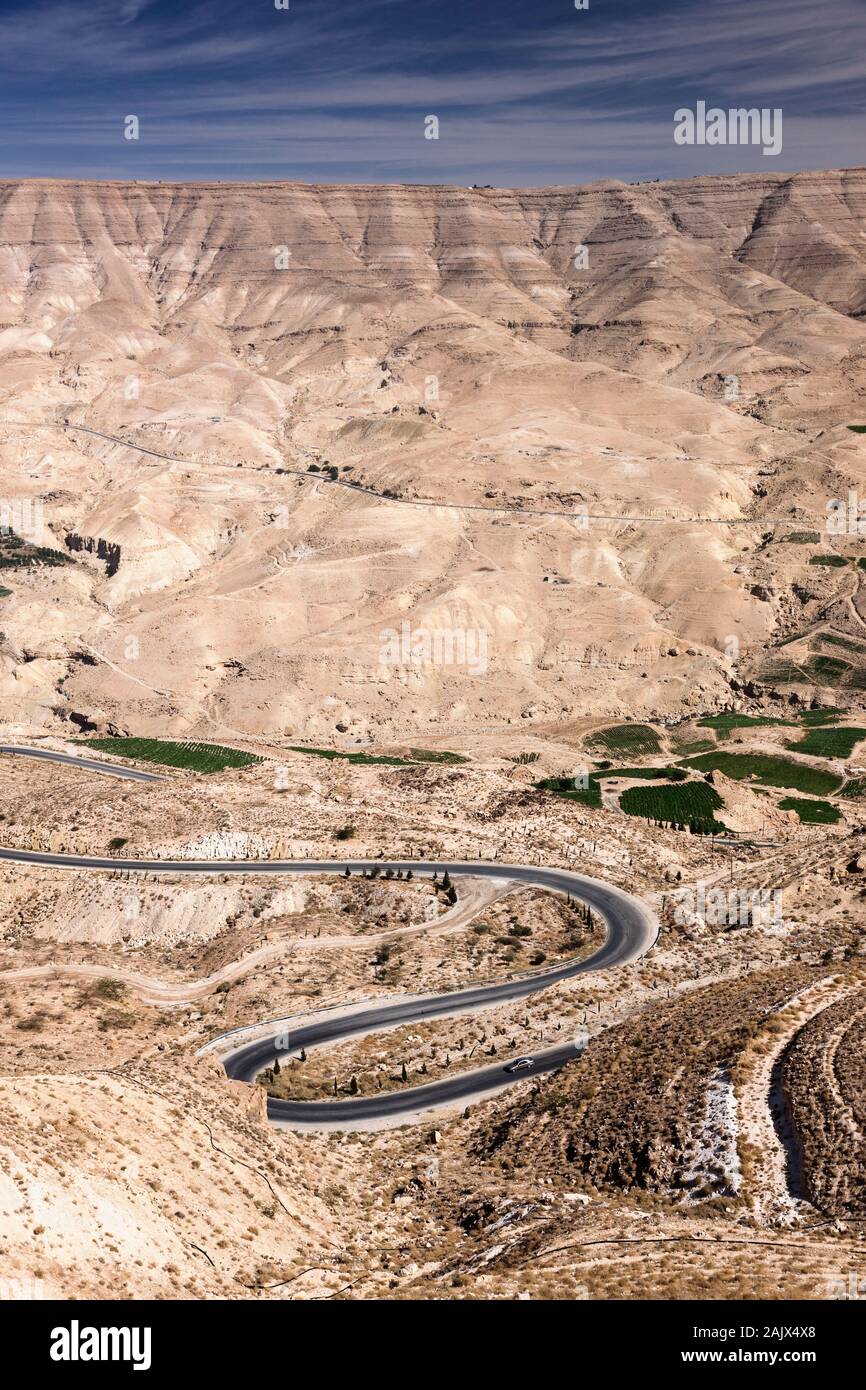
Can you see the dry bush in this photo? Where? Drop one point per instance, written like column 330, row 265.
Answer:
column 626, row 1114
column 823, row 1081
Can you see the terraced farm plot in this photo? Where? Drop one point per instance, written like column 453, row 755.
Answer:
column 196, row 757
column 837, row 562
column 724, row 723
column 781, row 672
column 689, row 804
column 629, row 1114
column 772, row 771
column 854, row 788
column 811, row 812
column 832, row 742
column 438, row 755
column 828, row 670
column 639, row 740
column 692, row 745
column 824, row 1078
column 383, row 759
column 811, row 717
column 848, row 644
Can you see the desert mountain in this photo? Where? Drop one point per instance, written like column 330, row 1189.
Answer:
column 623, row 398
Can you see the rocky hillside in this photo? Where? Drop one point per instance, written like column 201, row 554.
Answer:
column 618, row 363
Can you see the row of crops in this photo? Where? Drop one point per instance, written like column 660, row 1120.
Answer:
column 194, row 757
column 690, row 806
column 215, row 757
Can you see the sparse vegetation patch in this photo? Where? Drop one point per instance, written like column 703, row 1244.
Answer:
column 17, row 553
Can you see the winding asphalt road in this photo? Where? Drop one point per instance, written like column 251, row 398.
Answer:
column 132, row 774
column 631, row 931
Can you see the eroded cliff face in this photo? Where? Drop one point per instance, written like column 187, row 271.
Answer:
column 653, row 352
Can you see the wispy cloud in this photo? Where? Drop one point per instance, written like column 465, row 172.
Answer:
column 525, row 94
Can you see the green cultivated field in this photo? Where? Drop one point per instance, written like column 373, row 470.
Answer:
column 636, row 739
column 811, row 812
column 836, row 562
column 689, row 804
column 848, row 643
column 856, row 787
column 197, row 757
column 774, row 772
column 832, row 742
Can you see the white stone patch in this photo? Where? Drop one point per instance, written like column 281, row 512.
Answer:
column 228, row 844
column 712, row 1169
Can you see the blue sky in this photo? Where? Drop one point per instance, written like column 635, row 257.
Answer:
column 526, row 91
